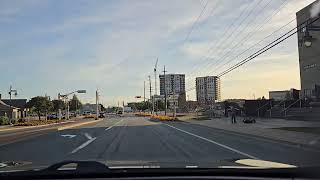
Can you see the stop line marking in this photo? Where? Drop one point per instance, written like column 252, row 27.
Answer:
column 213, row 142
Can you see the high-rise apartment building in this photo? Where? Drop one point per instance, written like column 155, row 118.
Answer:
column 208, row 89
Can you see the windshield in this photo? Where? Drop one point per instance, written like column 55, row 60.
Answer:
column 161, row 83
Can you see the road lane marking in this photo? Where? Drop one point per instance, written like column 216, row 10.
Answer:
column 213, row 142
column 68, row 135
column 191, row 166
column 78, row 124
column 90, row 140
column 114, row 125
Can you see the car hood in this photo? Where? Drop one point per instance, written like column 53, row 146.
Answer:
column 227, row 163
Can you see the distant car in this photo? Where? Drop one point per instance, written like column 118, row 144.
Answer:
column 52, row 116
column 86, row 113
column 119, row 112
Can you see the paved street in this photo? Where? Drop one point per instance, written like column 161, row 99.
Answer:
column 133, row 140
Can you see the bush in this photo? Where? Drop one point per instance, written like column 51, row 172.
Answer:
column 4, row 120
column 35, row 122
column 163, row 118
column 21, row 120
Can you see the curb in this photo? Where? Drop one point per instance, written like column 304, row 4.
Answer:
column 317, row 148
column 78, row 124
column 30, row 127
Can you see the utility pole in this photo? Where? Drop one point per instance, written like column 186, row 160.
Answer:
column 68, row 108
column 155, row 85
column 59, row 111
column 144, row 91
column 97, row 105
column 165, row 90
column 174, row 103
column 151, row 99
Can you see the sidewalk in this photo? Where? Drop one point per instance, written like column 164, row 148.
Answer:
column 266, row 128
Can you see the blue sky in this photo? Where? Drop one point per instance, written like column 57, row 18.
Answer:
column 47, row 46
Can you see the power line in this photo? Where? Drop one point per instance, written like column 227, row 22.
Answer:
column 250, row 34
column 241, row 30
column 195, row 22
column 266, row 48
column 226, row 32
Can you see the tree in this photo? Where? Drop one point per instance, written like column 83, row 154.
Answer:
column 74, row 103
column 161, row 105
column 41, row 105
column 58, row 104
column 142, row 106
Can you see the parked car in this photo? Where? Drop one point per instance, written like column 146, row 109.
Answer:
column 52, row 116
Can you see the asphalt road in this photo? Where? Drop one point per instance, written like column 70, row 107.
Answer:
column 132, row 141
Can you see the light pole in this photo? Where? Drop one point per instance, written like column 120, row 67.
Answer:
column 15, row 94
column 65, row 98
column 97, row 105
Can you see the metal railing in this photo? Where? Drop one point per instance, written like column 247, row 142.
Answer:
column 290, row 105
column 258, row 110
column 270, row 110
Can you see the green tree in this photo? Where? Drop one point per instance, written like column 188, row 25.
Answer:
column 161, row 105
column 74, row 103
column 41, row 105
column 142, row 106
column 58, row 104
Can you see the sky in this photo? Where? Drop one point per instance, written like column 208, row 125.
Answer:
column 49, row 47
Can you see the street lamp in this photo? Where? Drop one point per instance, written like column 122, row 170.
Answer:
column 307, row 38
column 65, row 97
column 15, row 93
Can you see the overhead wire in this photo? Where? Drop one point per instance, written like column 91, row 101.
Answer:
column 245, row 38
column 224, row 53
column 241, row 30
column 269, row 46
column 225, row 31
column 195, row 22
